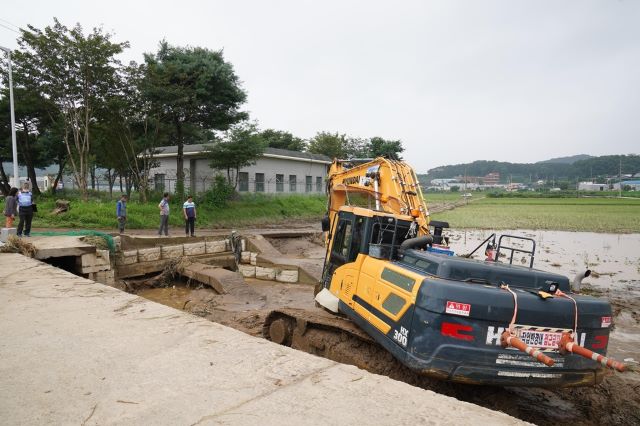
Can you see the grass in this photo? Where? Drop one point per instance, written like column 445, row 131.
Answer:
column 246, row 211
column 572, row 214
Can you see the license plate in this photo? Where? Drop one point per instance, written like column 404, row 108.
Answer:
column 540, row 339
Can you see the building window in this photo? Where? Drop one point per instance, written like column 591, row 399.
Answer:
column 318, row 184
column 158, row 182
column 308, row 187
column 259, row 182
column 292, row 183
column 279, row 183
column 243, row 181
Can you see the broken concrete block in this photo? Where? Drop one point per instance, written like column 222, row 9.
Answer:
column 247, row 271
column 117, row 241
column 104, row 254
column 90, row 262
column 265, row 273
column 105, row 277
column 152, row 254
column 128, row 257
column 254, row 258
column 6, row 233
column 287, row 276
column 194, row 249
column 245, row 257
column 216, row 246
column 172, row 252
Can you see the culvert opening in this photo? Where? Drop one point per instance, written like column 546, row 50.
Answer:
column 67, row 263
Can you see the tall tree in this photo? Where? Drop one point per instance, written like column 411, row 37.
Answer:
column 333, row 145
column 32, row 121
column 192, row 87
column 241, row 147
column 74, row 71
column 282, row 140
column 380, row 147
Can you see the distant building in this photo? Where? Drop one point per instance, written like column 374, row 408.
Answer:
column 275, row 171
column 633, row 184
column 590, row 186
column 491, row 179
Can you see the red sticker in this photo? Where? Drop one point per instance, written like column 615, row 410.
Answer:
column 606, row 322
column 457, row 308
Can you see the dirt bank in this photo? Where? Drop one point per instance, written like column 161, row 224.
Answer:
column 613, row 258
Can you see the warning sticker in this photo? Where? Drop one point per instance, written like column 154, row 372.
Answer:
column 457, row 308
column 606, row 322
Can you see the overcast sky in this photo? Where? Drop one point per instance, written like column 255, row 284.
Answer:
column 456, row 81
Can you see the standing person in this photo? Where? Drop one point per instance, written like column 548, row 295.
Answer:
column 25, row 205
column 121, row 212
column 164, row 215
column 11, row 208
column 189, row 210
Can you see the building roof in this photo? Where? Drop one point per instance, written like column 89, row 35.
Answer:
column 197, row 149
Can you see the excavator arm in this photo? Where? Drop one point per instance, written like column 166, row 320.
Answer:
column 389, row 186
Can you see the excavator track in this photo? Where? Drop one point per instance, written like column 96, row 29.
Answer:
column 321, row 333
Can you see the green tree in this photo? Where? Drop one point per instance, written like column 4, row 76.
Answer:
column 282, row 140
column 241, row 147
column 130, row 133
column 32, row 121
column 333, row 145
column 192, row 87
column 380, row 147
column 76, row 73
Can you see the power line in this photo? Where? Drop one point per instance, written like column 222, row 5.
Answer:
column 9, row 28
column 7, row 22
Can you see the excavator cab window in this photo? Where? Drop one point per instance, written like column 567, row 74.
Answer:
column 386, row 236
column 341, row 241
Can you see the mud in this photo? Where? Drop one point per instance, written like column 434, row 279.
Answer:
column 615, row 260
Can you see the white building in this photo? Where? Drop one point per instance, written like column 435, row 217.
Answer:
column 276, row 171
column 590, row 186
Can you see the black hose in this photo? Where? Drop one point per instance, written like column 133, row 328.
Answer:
column 417, row 242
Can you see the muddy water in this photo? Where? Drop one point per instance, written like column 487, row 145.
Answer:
column 176, row 296
column 614, row 257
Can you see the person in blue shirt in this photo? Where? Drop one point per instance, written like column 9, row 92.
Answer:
column 25, row 210
column 121, row 212
column 189, row 211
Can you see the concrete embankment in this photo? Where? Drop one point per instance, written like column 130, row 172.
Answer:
column 73, row 351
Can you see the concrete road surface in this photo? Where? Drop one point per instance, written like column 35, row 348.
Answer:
column 76, row 352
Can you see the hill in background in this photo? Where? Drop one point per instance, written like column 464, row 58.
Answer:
column 563, row 168
column 567, row 160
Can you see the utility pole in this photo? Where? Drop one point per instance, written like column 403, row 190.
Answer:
column 16, row 177
column 620, row 179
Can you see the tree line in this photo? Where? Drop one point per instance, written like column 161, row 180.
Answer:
column 598, row 168
column 77, row 106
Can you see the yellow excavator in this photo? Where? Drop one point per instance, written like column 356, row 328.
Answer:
column 391, row 278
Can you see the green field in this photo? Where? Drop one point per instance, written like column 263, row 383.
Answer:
column 619, row 215
column 246, row 211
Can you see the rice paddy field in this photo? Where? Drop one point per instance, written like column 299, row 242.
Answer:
column 613, row 215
